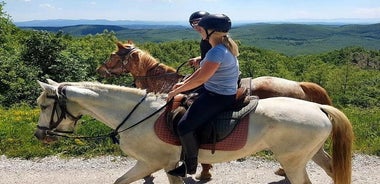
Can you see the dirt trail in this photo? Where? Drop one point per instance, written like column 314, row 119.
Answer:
column 107, row 169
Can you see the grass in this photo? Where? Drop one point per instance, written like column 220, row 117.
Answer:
column 17, row 127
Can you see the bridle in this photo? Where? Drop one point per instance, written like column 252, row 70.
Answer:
column 125, row 57
column 60, row 101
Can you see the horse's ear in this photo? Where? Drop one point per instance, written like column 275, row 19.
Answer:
column 130, row 42
column 47, row 87
column 119, row 45
column 52, row 82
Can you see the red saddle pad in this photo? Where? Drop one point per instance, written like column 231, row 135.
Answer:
column 235, row 141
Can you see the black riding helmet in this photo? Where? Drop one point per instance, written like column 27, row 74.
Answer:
column 196, row 16
column 216, row 22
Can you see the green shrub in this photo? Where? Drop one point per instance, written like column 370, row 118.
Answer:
column 366, row 125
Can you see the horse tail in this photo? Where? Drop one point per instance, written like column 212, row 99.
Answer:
column 342, row 138
column 315, row 93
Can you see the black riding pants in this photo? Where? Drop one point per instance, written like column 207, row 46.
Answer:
column 203, row 109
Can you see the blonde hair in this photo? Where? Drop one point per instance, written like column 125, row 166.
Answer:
column 227, row 41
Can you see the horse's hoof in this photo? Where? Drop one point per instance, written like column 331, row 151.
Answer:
column 280, row 172
column 203, row 176
column 149, row 178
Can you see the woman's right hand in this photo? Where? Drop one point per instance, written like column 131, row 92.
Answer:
column 194, row 62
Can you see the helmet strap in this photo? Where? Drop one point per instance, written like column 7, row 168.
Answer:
column 208, row 35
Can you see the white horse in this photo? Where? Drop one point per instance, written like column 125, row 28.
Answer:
column 294, row 130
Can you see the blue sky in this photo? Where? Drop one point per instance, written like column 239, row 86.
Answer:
column 179, row 10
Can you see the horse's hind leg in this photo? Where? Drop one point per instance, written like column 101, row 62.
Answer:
column 324, row 160
column 294, row 163
column 321, row 158
column 295, row 170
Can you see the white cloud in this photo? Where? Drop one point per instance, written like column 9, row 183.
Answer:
column 47, row 6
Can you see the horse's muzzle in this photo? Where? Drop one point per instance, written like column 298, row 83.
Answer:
column 102, row 71
column 42, row 136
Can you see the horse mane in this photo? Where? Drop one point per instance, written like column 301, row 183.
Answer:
column 146, row 59
column 97, row 86
column 150, row 62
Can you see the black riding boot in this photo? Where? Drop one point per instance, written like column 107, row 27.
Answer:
column 190, row 148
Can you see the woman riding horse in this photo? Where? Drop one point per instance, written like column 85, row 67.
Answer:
column 219, row 74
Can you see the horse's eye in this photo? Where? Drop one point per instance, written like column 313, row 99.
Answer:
column 43, row 107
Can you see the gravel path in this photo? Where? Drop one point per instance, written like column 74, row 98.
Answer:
column 107, row 169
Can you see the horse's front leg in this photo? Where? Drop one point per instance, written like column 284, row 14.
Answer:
column 138, row 171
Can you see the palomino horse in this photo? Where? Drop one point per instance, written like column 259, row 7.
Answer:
column 154, row 76
column 294, row 130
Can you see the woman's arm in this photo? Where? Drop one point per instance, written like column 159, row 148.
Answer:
column 199, row 77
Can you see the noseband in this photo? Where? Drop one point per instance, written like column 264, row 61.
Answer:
column 59, row 102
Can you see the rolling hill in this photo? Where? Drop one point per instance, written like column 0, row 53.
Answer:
column 290, row 39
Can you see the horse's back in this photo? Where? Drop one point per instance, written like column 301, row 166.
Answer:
column 267, row 86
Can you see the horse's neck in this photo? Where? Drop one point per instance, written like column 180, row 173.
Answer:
column 143, row 65
column 154, row 76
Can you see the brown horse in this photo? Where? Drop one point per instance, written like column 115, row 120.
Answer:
column 147, row 72
column 150, row 74
column 154, row 76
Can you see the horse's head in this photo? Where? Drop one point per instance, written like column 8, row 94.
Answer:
column 119, row 61
column 55, row 116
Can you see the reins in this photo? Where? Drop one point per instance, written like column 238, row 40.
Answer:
column 114, row 133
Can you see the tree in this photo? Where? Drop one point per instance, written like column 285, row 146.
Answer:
column 42, row 49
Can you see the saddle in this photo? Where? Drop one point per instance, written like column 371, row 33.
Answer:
column 222, row 125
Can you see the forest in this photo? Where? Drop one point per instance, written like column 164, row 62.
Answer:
column 350, row 75
column 288, row 38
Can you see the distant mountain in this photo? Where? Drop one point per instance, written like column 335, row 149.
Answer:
column 67, row 22
column 70, row 22
column 295, row 39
